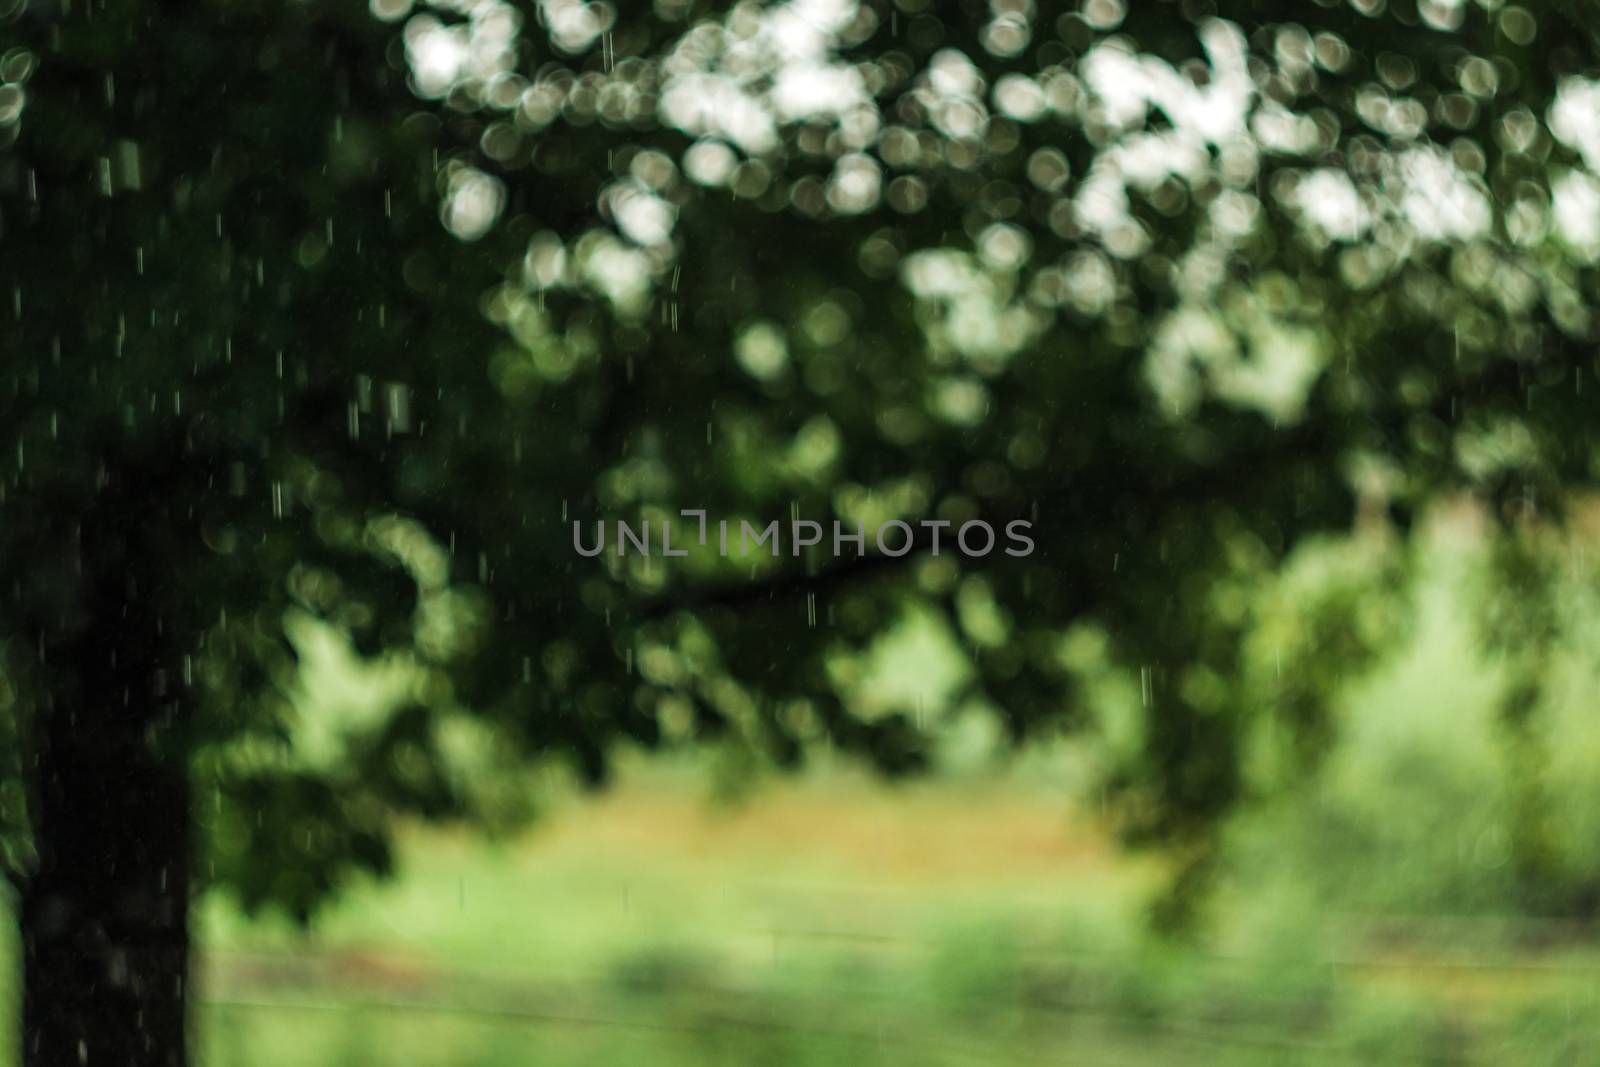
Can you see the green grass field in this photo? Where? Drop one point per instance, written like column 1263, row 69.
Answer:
column 835, row 921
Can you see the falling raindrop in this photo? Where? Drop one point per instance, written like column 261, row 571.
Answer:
column 399, row 408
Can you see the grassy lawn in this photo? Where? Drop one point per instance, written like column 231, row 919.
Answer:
column 825, row 918
column 832, row 920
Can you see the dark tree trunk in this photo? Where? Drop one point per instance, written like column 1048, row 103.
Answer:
column 104, row 916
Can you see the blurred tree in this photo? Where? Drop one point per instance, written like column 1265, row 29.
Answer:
column 1175, row 288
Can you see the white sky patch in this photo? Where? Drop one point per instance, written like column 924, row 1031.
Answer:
column 1445, row 15
column 1234, row 214
column 988, row 332
column 813, row 88
column 472, row 202
column 1576, row 206
column 855, row 185
column 806, row 29
column 1280, row 130
column 1191, row 340
column 980, row 320
column 962, row 401
column 1328, row 199
column 761, row 67
column 1102, row 200
column 1004, row 247
column 1284, row 363
column 1527, row 220
column 709, row 104
column 1147, row 159
column 960, row 118
column 1217, row 111
column 437, row 55
column 940, row 273
column 1575, row 119
column 474, row 51
column 762, row 351
column 1091, row 282
column 1019, row 97
column 575, row 25
column 709, row 162
column 952, row 90
column 1436, row 197
column 1258, row 363
column 1101, row 207
column 546, row 263
column 623, row 274
column 951, row 73
column 1128, row 85
column 643, row 217
column 1119, row 79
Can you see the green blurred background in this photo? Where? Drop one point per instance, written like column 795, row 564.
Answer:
column 703, row 911
column 1282, row 337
